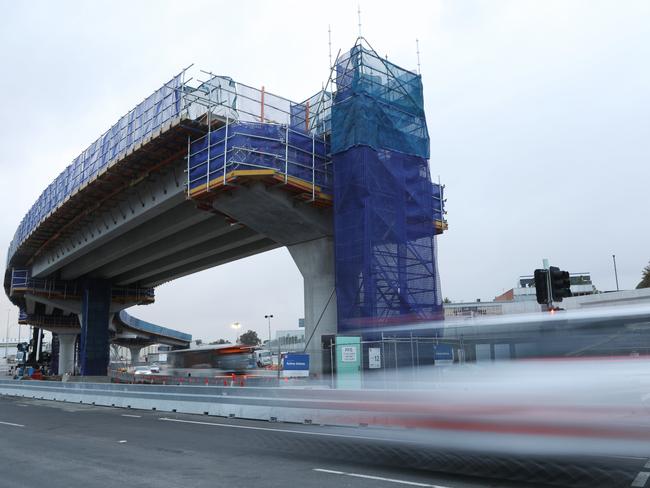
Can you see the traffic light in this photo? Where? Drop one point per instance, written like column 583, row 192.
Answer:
column 541, row 286
column 560, row 284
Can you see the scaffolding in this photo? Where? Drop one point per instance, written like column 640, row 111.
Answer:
column 253, row 134
column 385, row 204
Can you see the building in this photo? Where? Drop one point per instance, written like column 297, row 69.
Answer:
column 520, row 299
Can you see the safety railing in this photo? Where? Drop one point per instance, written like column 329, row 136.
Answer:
column 22, row 282
column 251, row 146
column 203, row 101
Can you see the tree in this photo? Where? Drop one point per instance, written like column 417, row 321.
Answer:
column 220, row 341
column 645, row 278
column 249, row 338
column 446, row 300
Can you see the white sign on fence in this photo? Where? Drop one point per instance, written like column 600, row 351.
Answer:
column 349, row 354
column 374, row 357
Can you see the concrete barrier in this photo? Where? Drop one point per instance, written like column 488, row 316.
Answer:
column 314, row 406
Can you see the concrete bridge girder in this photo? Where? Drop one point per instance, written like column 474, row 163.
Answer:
column 256, row 247
column 236, row 238
column 275, row 213
column 212, row 226
column 160, row 227
column 142, row 202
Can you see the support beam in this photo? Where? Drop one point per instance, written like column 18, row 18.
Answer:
column 159, row 227
column 315, row 261
column 136, row 206
column 66, row 353
column 208, row 229
column 226, row 242
column 94, row 354
column 256, row 247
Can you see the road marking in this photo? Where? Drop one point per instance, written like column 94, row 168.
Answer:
column 640, row 480
column 131, row 416
column 122, row 442
column 378, row 478
column 647, row 465
column 13, row 425
column 286, row 431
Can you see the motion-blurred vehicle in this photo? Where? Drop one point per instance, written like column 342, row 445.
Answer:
column 212, row 360
column 139, row 370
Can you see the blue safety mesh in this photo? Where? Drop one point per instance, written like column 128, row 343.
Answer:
column 384, row 201
column 378, row 104
column 250, row 145
column 162, row 105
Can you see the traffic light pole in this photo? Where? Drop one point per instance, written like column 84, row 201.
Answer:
column 549, row 300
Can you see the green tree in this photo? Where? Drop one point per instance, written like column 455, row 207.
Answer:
column 220, row 341
column 249, row 338
column 446, row 300
column 645, row 278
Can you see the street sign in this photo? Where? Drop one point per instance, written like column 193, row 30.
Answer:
column 443, row 354
column 295, row 365
column 374, row 357
column 349, row 354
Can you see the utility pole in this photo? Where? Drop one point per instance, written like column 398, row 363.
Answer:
column 615, row 271
column 269, row 317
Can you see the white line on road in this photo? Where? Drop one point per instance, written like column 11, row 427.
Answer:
column 647, row 465
column 131, row 416
column 286, row 431
column 378, row 478
column 122, row 442
column 640, row 480
column 11, row 424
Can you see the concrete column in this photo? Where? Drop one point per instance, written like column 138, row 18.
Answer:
column 135, row 353
column 94, row 351
column 66, row 353
column 315, row 260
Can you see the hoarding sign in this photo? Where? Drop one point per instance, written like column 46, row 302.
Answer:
column 295, row 365
column 349, row 354
column 374, row 357
column 443, row 354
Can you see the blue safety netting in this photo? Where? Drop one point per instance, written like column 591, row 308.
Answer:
column 384, row 201
column 378, row 104
column 250, row 145
column 164, row 104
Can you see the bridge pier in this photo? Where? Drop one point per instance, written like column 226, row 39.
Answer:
column 66, row 353
column 135, row 353
column 94, row 353
column 315, row 261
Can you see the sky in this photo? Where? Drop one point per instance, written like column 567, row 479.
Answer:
column 538, row 113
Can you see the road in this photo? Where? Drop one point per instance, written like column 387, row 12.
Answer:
column 55, row 444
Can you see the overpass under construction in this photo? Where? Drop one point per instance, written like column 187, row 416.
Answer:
column 207, row 171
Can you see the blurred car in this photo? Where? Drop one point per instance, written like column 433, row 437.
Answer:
column 154, row 368
column 142, row 370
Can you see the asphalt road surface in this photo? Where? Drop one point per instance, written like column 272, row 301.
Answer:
column 55, row 444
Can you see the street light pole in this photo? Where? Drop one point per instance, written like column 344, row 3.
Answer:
column 7, row 336
column 615, row 271
column 269, row 317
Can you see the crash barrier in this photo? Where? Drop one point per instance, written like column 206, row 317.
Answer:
column 222, row 380
column 311, row 406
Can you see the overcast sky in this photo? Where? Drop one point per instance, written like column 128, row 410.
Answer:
column 538, row 112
